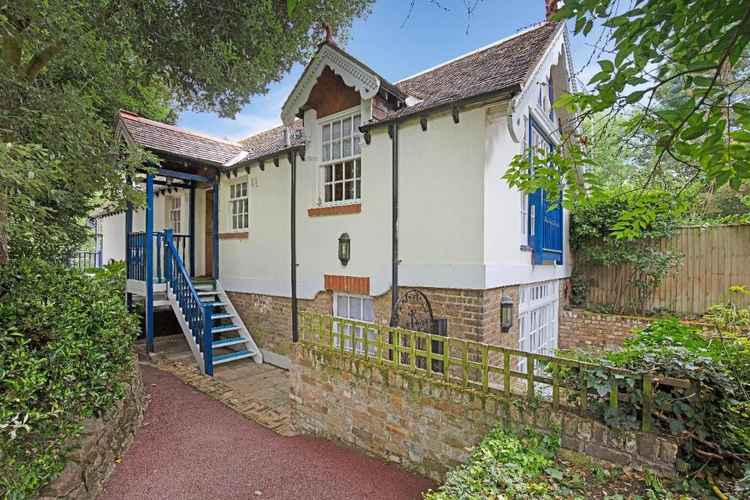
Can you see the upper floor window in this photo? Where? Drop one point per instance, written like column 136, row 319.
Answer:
column 174, row 207
column 239, row 206
column 341, row 167
column 551, row 96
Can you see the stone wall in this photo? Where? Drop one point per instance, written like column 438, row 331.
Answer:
column 93, row 454
column 471, row 314
column 428, row 426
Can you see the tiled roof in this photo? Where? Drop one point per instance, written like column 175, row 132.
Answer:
column 164, row 138
column 500, row 66
column 271, row 141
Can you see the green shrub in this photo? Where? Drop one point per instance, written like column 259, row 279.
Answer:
column 65, row 342
column 504, row 465
column 711, row 417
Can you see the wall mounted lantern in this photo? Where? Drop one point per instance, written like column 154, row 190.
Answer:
column 345, row 249
column 506, row 313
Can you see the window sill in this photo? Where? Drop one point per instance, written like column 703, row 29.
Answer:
column 239, row 235
column 353, row 208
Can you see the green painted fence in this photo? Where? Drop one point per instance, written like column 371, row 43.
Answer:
column 493, row 370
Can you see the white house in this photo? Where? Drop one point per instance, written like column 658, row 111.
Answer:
column 406, row 175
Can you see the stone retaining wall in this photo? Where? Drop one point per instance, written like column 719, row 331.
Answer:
column 429, row 426
column 93, row 454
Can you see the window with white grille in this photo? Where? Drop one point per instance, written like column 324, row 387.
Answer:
column 341, row 165
column 537, row 316
column 174, row 207
column 358, row 308
column 239, row 205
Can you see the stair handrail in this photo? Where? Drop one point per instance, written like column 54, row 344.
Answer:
column 198, row 315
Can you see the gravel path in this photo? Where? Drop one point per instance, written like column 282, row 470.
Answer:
column 193, row 447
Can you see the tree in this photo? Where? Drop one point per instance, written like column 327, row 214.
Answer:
column 67, row 66
column 696, row 49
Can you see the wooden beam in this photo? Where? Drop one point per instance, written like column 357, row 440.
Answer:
column 182, row 175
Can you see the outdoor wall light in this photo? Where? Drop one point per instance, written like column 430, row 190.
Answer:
column 506, row 313
column 345, row 249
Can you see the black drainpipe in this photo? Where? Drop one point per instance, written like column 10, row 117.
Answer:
column 393, row 132
column 293, row 163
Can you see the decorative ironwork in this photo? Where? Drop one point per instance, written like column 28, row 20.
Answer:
column 413, row 311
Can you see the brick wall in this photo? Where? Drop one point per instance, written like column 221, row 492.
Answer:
column 429, row 426
column 471, row 314
column 582, row 329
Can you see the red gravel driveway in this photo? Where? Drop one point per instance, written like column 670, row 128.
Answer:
column 193, row 447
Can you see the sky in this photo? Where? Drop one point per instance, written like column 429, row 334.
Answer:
column 396, row 45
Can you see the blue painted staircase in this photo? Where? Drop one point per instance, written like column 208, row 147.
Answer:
column 211, row 325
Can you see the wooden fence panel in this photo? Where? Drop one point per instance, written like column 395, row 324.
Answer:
column 713, row 259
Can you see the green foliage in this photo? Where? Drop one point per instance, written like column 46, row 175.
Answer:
column 65, row 341
column 711, row 415
column 502, row 466
column 667, row 108
column 620, row 229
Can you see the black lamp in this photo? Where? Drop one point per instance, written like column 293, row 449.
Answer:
column 345, row 249
column 506, row 313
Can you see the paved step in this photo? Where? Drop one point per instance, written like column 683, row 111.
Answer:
column 227, row 342
column 224, row 329
column 232, row 356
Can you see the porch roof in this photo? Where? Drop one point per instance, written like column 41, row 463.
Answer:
column 162, row 138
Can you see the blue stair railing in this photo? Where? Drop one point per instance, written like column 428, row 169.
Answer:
column 197, row 314
column 136, row 254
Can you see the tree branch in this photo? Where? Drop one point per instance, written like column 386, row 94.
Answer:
column 40, row 60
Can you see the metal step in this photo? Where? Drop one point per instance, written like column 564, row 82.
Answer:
column 232, row 356
column 208, row 293
column 227, row 342
column 214, row 304
column 222, row 316
column 224, row 329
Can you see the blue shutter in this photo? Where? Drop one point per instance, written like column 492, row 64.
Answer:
column 546, row 238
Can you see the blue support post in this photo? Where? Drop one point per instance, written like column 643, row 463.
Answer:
column 215, row 216
column 191, row 228
column 149, row 249
column 167, row 257
column 128, row 243
column 208, row 340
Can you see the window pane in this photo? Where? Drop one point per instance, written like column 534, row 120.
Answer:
column 329, row 193
column 336, row 150
column 355, row 308
column 231, row 191
column 336, row 130
column 234, row 222
column 328, row 173
column 356, row 147
column 349, row 171
column 342, row 310
column 244, row 189
column 347, row 148
column 339, row 191
column 326, row 133
column 247, row 222
column 359, row 168
column 326, row 152
column 368, row 313
column 346, row 127
column 339, row 171
column 359, row 189
column 356, row 124
column 349, row 191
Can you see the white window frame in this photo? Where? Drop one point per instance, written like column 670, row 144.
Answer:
column 538, row 310
column 236, row 202
column 372, row 335
column 328, row 146
column 174, row 213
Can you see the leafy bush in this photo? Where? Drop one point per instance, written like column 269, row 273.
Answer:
column 65, row 342
column 711, row 416
column 504, row 465
column 602, row 235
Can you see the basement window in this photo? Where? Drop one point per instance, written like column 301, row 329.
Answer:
column 341, row 166
column 358, row 308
